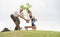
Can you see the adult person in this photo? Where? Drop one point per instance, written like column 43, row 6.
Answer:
column 16, row 20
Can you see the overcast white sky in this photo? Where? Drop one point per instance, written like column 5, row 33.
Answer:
column 47, row 13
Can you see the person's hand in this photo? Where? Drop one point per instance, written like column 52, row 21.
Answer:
column 27, row 20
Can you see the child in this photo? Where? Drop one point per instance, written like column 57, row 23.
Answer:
column 32, row 21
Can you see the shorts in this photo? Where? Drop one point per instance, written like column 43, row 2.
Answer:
column 32, row 21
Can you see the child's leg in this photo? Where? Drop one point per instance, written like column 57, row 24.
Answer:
column 33, row 25
column 26, row 27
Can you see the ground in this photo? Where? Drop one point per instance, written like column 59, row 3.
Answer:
column 30, row 33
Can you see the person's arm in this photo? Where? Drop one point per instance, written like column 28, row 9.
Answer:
column 27, row 20
column 21, row 17
column 20, row 14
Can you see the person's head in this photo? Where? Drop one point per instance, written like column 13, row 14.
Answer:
column 21, row 10
column 29, row 12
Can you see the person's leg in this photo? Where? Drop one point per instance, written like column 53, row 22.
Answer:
column 18, row 27
column 16, row 21
column 33, row 25
column 5, row 29
column 26, row 27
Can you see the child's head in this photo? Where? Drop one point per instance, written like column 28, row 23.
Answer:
column 29, row 12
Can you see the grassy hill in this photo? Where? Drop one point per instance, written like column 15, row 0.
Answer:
column 30, row 33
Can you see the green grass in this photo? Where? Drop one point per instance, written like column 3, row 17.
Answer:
column 30, row 33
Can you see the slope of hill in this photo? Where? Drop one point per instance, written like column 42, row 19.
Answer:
column 29, row 33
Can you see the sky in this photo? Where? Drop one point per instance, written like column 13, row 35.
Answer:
column 47, row 13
